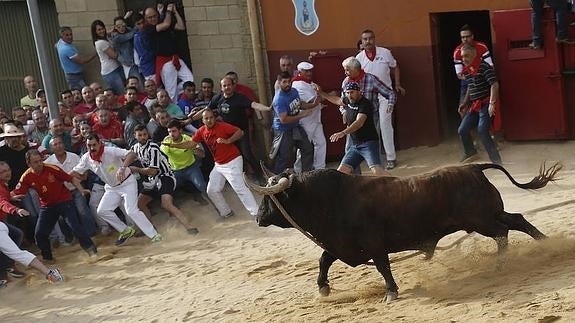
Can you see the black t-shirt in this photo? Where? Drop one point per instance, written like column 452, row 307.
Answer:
column 232, row 109
column 17, row 162
column 367, row 132
column 167, row 43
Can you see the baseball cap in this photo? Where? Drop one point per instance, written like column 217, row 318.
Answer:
column 304, row 66
column 352, row 86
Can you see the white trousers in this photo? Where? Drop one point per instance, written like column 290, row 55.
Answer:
column 386, row 128
column 11, row 250
column 95, row 198
column 231, row 172
column 316, row 136
column 170, row 76
column 112, row 198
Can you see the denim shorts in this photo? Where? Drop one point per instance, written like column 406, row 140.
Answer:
column 368, row 151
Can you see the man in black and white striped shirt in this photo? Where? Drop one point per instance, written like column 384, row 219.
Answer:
column 160, row 179
column 478, row 105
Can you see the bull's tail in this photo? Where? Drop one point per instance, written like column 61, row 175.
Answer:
column 546, row 175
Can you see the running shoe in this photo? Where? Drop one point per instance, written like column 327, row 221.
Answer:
column 54, row 276
column 125, row 235
column 157, row 238
column 92, row 251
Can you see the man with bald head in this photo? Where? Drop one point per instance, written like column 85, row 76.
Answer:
column 169, row 66
column 57, row 130
column 31, row 88
column 286, row 65
column 66, row 161
column 87, row 107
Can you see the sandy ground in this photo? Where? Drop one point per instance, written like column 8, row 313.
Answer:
column 234, row 271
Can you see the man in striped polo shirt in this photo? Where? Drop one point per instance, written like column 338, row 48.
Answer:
column 483, row 54
column 160, row 180
column 478, row 104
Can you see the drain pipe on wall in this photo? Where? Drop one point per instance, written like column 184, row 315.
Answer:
column 46, row 69
column 260, row 73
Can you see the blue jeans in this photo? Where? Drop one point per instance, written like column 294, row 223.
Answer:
column 560, row 8
column 86, row 218
column 356, row 153
column 191, row 174
column 287, row 140
column 75, row 80
column 116, row 80
column 348, row 144
column 482, row 121
column 47, row 220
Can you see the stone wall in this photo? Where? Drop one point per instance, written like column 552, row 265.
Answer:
column 219, row 39
column 79, row 14
column 218, row 35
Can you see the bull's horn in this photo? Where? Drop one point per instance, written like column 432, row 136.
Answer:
column 267, row 173
column 282, row 184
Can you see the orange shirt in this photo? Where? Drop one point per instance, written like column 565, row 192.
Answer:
column 49, row 184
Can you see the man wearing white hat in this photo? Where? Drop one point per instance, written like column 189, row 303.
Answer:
column 312, row 123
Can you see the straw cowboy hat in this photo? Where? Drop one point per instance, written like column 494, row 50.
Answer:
column 11, row 130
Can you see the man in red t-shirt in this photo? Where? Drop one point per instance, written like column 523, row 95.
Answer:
column 10, row 238
column 88, row 106
column 108, row 128
column 219, row 137
column 55, row 201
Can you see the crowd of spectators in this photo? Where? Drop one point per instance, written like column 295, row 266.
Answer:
column 95, row 166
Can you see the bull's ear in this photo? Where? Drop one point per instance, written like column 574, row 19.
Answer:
column 267, row 173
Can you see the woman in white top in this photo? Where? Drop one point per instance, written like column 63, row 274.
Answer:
column 111, row 69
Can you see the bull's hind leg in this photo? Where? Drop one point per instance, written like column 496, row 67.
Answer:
column 325, row 262
column 383, row 266
column 497, row 231
column 516, row 221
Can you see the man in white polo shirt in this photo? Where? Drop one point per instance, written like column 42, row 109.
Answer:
column 312, row 123
column 380, row 62
column 109, row 164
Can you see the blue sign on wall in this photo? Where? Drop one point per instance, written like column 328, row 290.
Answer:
column 306, row 20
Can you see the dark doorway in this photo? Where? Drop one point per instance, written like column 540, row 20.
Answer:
column 181, row 36
column 445, row 37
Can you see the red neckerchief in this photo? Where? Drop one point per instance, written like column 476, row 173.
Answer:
column 300, row 77
column 370, row 54
column 98, row 155
column 359, row 78
column 472, row 68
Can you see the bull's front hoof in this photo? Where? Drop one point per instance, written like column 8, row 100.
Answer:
column 324, row 290
column 391, row 296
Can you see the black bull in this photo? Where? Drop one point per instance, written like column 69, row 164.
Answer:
column 361, row 218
